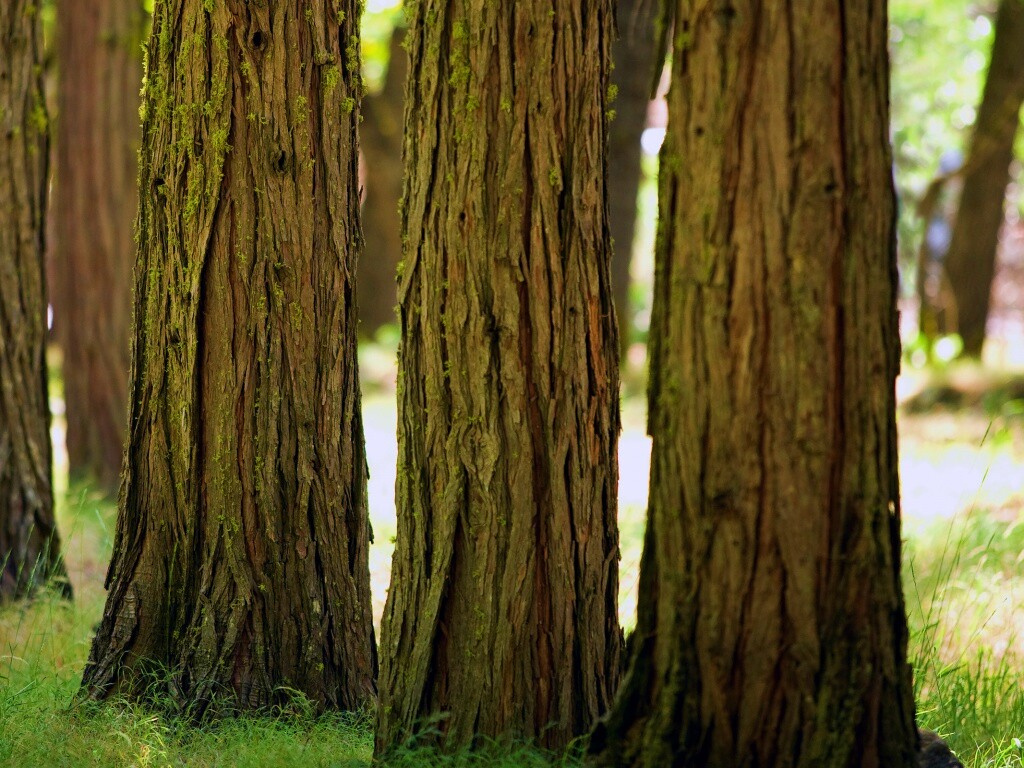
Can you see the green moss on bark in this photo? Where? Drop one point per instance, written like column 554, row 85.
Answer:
column 240, row 568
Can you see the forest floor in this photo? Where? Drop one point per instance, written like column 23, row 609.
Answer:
column 962, row 470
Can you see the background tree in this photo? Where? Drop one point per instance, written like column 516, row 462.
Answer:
column 240, row 561
column 95, row 200
column 501, row 617
column 634, row 55
column 972, row 253
column 771, row 627
column 29, row 545
column 381, row 141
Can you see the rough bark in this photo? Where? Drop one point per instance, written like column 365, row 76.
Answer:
column 381, row 141
column 634, row 54
column 501, row 618
column 771, row 627
column 240, row 570
column 95, row 201
column 972, row 252
column 29, row 545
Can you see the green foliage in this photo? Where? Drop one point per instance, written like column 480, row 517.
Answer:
column 940, row 51
column 920, row 350
column 380, row 17
column 933, row 100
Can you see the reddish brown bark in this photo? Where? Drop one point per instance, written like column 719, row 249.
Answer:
column 29, row 545
column 95, row 201
column 240, row 571
column 501, row 617
column 381, row 142
column 771, row 628
column 634, row 54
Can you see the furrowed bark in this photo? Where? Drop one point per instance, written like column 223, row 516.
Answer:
column 771, row 628
column 240, row 571
column 501, row 618
column 29, row 544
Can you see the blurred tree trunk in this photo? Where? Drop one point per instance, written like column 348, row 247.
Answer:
column 240, row 570
column 95, row 202
column 634, row 56
column 381, row 140
column 936, row 314
column 29, row 545
column 771, row 628
column 972, row 254
column 501, row 616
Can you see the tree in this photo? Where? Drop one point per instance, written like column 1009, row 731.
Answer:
column 94, row 207
column 29, row 544
column 381, row 137
column 771, row 628
column 501, row 617
column 634, row 56
column 972, row 252
column 240, row 570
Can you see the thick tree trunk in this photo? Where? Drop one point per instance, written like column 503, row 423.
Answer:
column 381, row 141
column 95, row 201
column 501, row 618
column 29, row 545
column 771, row 627
column 240, row 568
column 972, row 253
column 634, row 54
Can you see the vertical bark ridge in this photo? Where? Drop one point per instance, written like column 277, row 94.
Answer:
column 240, row 571
column 771, row 626
column 29, row 544
column 501, row 618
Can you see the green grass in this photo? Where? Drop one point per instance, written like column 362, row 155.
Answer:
column 43, row 648
column 44, row 645
column 963, row 584
column 964, row 581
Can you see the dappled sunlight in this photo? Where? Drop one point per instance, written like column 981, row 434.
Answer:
column 526, row 206
column 950, row 463
column 961, row 447
column 962, row 474
column 940, row 482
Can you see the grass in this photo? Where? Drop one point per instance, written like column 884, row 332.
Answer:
column 963, row 582
column 962, row 468
column 44, row 645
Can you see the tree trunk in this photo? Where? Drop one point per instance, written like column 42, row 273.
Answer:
column 501, row 618
column 381, row 139
column 94, row 207
column 972, row 253
column 29, row 545
column 634, row 57
column 771, row 627
column 240, row 570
